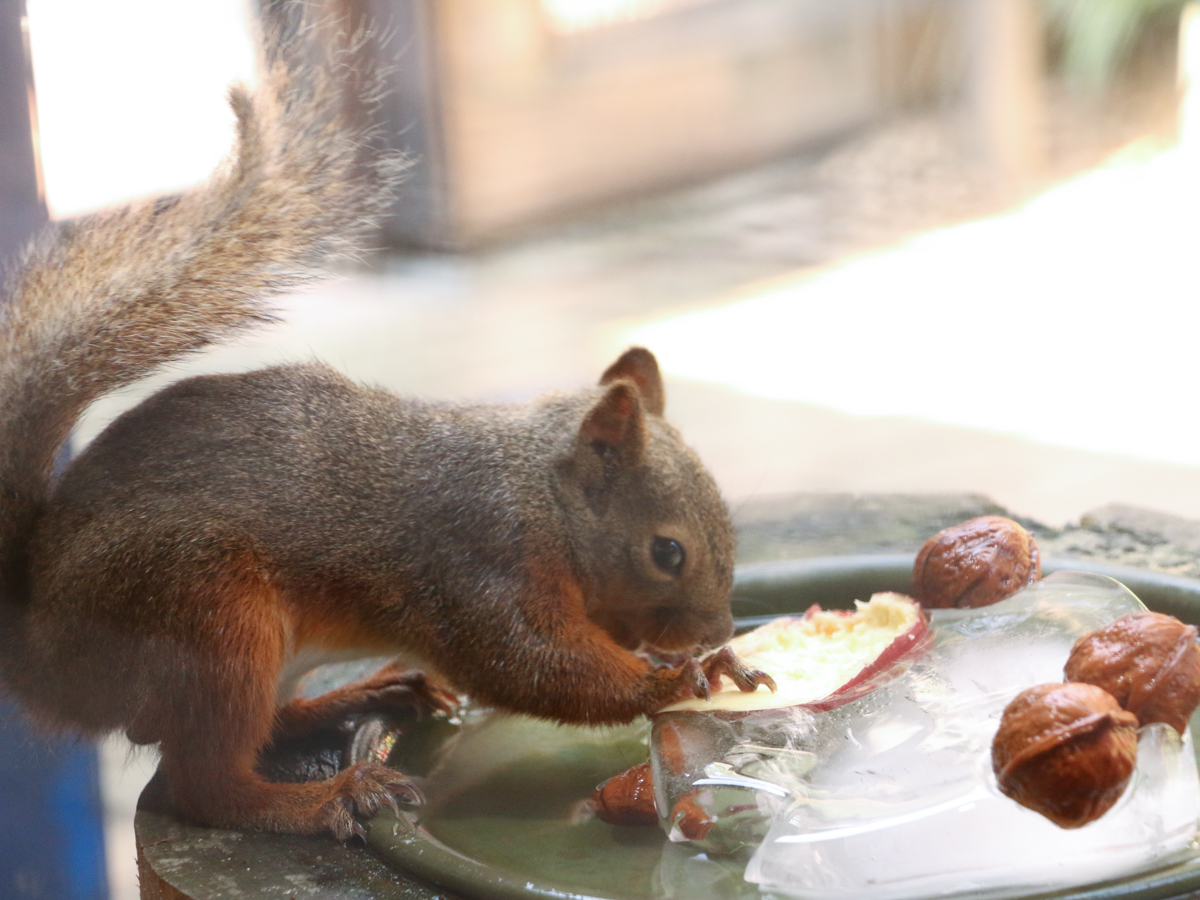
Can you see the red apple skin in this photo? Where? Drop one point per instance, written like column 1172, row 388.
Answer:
column 911, row 645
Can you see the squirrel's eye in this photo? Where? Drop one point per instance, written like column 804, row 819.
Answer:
column 668, row 555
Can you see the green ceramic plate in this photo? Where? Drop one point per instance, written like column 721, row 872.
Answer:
column 510, row 834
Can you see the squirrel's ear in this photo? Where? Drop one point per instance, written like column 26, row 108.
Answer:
column 639, row 366
column 615, row 423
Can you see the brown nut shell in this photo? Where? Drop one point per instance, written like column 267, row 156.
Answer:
column 627, row 799
column 976, row 563
column 691, row 819
column 1066, row 751
column 1148, row 661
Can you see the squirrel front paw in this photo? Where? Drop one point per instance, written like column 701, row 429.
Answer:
column 363, row 790
column 700, row 677
column 395, row 687
column 725, row 662
column 390, row 690
column 694, row 680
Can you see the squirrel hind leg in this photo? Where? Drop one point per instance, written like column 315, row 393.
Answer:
column 229, row 793
column 211, row 777
column 210, row 756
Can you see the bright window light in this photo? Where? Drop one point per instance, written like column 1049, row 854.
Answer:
column 131, row 94
column 1072, row 321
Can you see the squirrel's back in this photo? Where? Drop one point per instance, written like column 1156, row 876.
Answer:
column 335, row 479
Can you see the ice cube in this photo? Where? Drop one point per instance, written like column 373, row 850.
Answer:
column 719, row 780
column 979, row 840
column 906, row 804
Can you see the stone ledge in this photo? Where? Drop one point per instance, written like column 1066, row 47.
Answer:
column 790, row 526
column 1132, row 536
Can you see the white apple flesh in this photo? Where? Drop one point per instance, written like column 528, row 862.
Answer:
column 823, row 659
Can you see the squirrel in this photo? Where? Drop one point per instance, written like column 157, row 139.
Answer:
column 233, row 531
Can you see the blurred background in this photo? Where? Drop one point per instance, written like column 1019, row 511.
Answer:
column 879, row 246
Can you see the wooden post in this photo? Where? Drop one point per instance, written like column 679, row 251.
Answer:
column 1004, row 83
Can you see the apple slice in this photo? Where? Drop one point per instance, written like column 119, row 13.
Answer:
column 823, row 659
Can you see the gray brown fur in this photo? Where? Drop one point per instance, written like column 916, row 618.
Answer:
column 233, row 528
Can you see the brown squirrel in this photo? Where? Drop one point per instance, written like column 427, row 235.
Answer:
column 233, row 531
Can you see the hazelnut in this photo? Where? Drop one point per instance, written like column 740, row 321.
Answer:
column 976, row 563
column 690, row 818
column 627, row 799
column 1149, row 662
column 1066, row 751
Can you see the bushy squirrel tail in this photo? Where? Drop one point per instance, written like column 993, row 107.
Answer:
column 103, row 301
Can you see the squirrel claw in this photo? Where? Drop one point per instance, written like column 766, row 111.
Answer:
column 756, row 677
column 725, row 662
column 413, row 795
column 694, row 676
column 365, row 789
